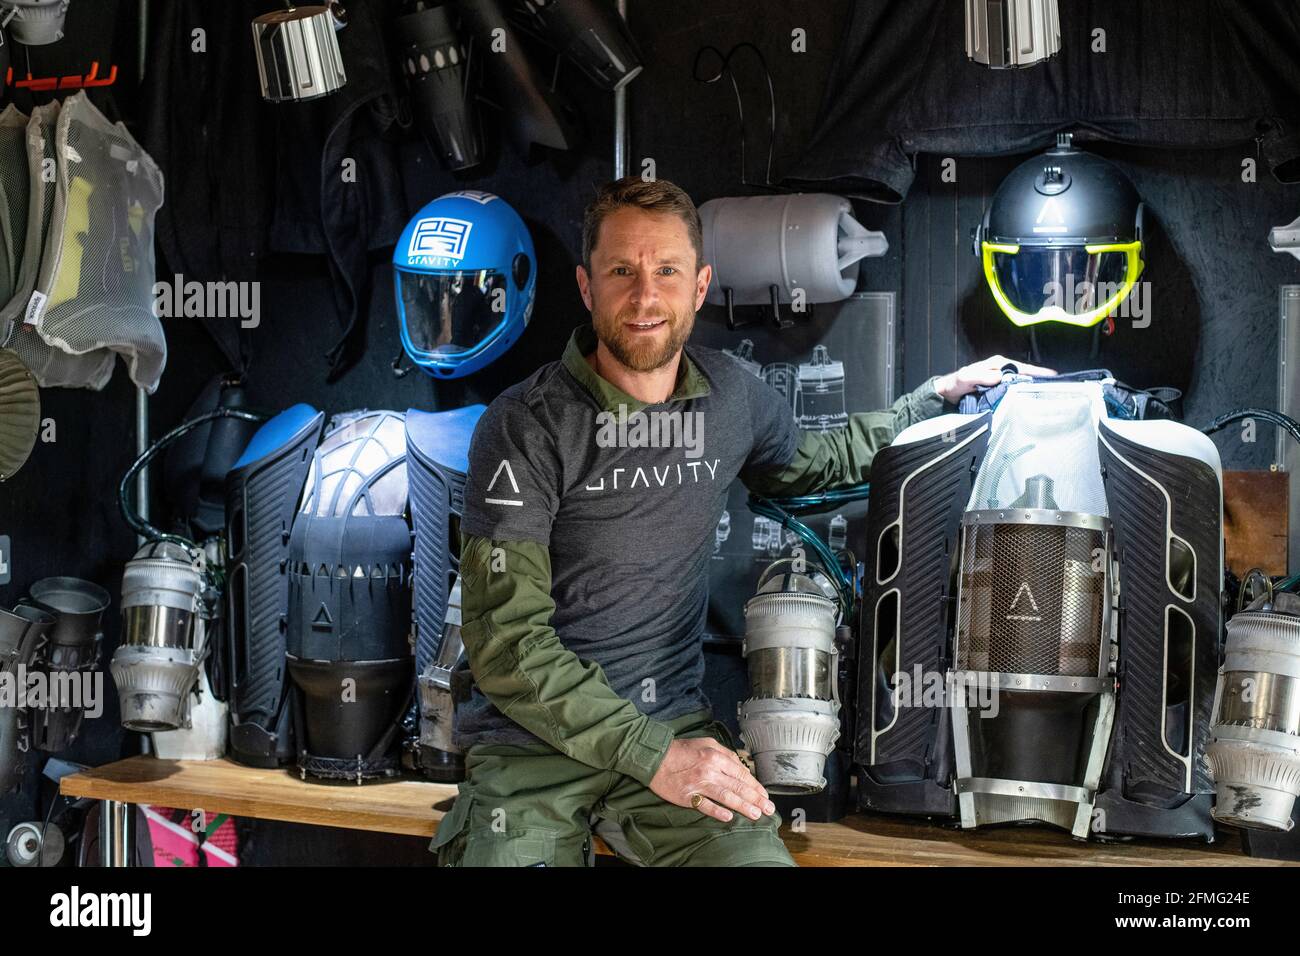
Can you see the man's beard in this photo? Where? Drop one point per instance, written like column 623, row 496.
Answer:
column 643, row 353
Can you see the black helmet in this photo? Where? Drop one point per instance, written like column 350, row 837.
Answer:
column 1062, row 239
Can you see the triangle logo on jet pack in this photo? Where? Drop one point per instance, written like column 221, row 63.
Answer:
column 322, row 621
column 1030, row 605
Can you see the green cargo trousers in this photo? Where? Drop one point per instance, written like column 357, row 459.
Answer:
column 530, row 805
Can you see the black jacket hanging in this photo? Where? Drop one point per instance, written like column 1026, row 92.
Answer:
column 1174, row 73
column 264, row 177
column 339, row 188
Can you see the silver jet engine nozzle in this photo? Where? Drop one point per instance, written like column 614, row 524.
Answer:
column 158, row 662
column 790, row 721
column 298, row 55
column 1254, row 749
column 1007, row 34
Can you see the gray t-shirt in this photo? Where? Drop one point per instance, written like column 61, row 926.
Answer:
column 630, row 526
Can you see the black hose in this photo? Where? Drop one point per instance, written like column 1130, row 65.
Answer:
column 1285, row 422
column 138, row 524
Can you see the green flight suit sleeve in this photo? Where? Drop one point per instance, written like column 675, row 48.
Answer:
column 520, row 665
column 825, row 460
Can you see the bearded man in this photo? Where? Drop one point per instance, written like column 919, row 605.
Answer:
column 584, row 564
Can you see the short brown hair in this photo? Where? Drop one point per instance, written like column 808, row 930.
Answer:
column 655, row 195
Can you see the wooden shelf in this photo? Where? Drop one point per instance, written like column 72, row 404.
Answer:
column 414, row 808
column 875, row 840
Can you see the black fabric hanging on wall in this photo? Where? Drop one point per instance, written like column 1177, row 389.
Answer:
column 902, row 85
column 267, row 177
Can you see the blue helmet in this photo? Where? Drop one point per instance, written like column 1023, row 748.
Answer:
column 465, row 274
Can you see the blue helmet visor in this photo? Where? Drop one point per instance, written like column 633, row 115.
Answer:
column 448, row 316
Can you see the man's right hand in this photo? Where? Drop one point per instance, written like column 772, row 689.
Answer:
column 703, row 766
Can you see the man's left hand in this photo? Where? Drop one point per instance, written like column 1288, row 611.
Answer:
column 985, row 373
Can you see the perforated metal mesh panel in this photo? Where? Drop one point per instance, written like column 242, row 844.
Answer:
column 1031, row 601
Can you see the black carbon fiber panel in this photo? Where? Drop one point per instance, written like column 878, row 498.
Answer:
column 928, row 484
column 1139, row 761
column 260, row 503
column 435, row 494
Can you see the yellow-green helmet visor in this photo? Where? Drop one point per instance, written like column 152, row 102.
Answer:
column 1077, row 285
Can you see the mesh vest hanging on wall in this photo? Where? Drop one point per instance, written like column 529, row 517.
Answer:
column 51, row 366
column 95, row 288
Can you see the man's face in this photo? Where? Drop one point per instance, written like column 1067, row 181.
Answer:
column 644, row 288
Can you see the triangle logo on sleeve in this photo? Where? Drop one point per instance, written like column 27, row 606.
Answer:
column 503, row 468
